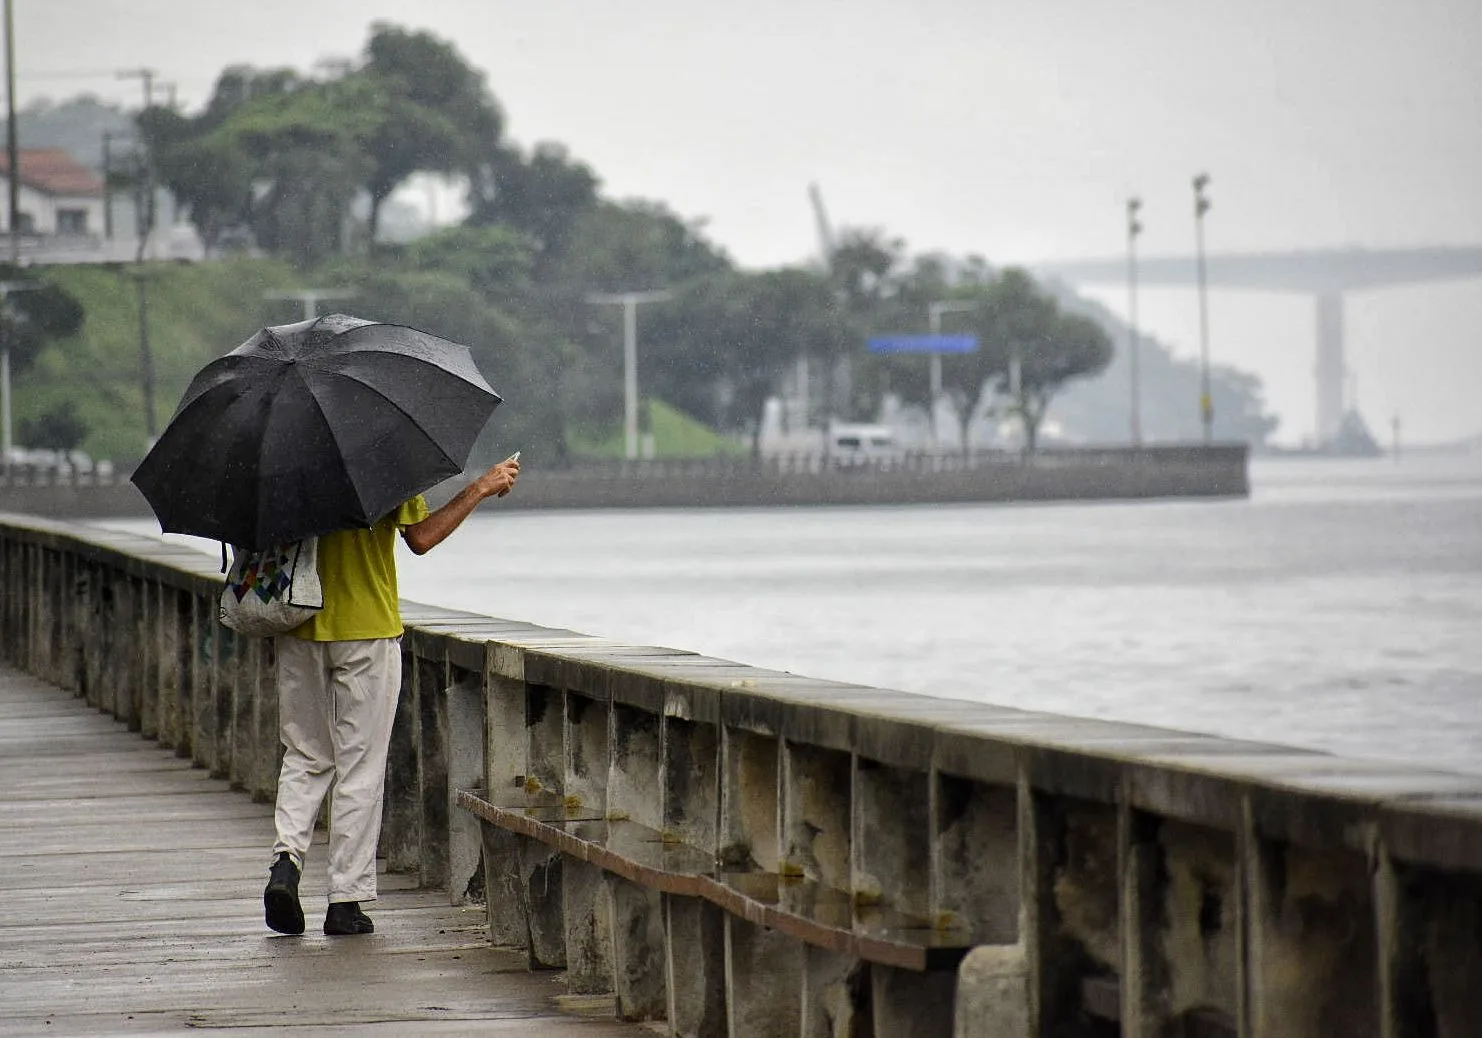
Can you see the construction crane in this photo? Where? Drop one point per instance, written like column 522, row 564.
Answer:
column 824, row 228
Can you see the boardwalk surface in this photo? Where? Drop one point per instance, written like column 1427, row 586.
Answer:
column 131, row 903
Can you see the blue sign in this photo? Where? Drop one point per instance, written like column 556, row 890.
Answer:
column 924, row 344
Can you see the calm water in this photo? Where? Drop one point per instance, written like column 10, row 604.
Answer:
column 1340, row 607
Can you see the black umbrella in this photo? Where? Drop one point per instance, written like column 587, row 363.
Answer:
column 306, row 428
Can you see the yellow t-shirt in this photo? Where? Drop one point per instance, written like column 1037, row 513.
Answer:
column 358, row 571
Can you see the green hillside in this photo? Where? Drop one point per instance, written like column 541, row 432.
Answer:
column 676, row 435
column 196, row 312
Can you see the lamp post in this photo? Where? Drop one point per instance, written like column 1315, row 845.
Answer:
column 934, row 311
column 12, row 150
column 1134, row 228
column 1206, row 404
column 310, row 298
column 630, row 301
column 145, row 216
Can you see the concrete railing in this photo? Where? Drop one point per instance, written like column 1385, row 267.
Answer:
column 747, row 852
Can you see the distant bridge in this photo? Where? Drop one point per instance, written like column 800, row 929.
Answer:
column 1325, row 274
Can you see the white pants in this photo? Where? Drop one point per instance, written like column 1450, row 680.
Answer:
column 336, row 705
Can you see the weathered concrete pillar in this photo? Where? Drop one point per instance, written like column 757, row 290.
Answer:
column 401, row 816
column 634, row 778
column 543, row 881
column 267, row 748
column 504, row 895
column 691, row 782
column 911, row 1004
column 463, row 748
column 1072, row 928
column 506, row 754
column 764, row 972
column 1314, row 957
column 588, row 919
column 585, row 748
column 696, row 968
column 749, row 801
column 148, row 648
column 207, row 748
column 545, row 734
column 836, row 995
column 639, row 967
column 167, row 729
column 1429, row 925
column 131, row 659
column 891, row 861
column 975, row 864
column 430, row 674
column 816, row 820
column 992, row 999
column 241, row 669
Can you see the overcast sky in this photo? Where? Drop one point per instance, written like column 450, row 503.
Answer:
column 1011, row 130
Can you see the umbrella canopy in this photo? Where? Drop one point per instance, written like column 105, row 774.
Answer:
column 306, row 428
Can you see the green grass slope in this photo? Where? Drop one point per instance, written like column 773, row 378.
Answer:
column 676, row 435
column 196, row 312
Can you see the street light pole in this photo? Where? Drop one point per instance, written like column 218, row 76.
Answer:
column 630, row 301
column 12, row 148
column 1206, row 403
column 145, row 217
column 310, row 298
column 1134, row 228
column 934, row 311
column 13, row 183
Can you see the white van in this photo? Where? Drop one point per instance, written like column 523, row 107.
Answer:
column 855, row 444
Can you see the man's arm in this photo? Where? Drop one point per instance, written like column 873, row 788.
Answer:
column 430, row 532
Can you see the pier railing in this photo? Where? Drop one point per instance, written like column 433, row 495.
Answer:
column 746, row 852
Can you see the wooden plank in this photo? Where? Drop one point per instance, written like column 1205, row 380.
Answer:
column 131, row 902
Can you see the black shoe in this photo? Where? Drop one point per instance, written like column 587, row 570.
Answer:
column 280, row 899
column 345, row 919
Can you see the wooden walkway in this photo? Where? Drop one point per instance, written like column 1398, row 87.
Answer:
column 131, row 902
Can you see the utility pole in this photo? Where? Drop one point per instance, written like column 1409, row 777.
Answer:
column 934, row 311
column 146, row 213
column 12, row 148
column 107, row 185
column 630, row 301
column 146, row 355
column 1206, row 403
column 310, row 298
column 1134, row 228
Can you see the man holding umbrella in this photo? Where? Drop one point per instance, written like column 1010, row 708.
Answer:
column 339, row 676
column 330, row 428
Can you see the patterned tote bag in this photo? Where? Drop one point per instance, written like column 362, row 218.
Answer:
column 271, row 592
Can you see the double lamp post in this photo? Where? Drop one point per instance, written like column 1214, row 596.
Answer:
column 1134, row 229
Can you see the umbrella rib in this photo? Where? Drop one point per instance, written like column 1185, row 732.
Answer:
column 362, row 382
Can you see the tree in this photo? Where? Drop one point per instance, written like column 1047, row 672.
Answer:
column 542, row 196
column 720, row 347
column 205, row 161
column 59, row 427
column 1021, row 327
column 32, row 317
column 433, row 112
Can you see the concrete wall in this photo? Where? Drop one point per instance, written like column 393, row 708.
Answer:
column 1106, row 474
column 745, row 852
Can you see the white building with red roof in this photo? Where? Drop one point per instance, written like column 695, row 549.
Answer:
column 59, row 197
